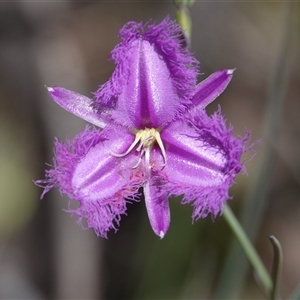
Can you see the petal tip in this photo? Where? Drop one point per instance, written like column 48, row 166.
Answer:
column 230, row 71
column 161, row 234
column 49, row 88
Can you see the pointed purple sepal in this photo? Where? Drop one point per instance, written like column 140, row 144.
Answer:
column 158, row 209
column 79, row 105
column 211, row 88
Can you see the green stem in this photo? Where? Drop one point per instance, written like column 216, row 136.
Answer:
column 277, row 266
column 184, row 19
column 250, row 251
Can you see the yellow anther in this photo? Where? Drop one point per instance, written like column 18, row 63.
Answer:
column 147, row 137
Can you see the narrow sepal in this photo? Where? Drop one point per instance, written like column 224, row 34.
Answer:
column 157, row 205
column 79, row 105
column 211, row 88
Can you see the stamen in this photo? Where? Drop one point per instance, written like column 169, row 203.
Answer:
column 136, row 140
column 138, row 162
column 147, row 162
column 161, row 147
column 146, row 138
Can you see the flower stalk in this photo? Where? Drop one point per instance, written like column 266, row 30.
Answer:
column 184, row 19
column 249, row 250
column 277, row 266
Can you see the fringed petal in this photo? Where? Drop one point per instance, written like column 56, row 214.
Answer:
column 67, row 156
column 154, row 77
column 203, row 158
column 85, row 170
column 99, row 174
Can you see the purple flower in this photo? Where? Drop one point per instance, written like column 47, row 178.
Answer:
column 155, row 139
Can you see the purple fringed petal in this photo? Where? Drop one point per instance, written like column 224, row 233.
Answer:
column 85, row 170
column 66, row 157
column 191, row 159
column 203, row 159
column 79, row 105
column 154, row 76
column 99, row 174
column 102, row 182
column 142, row 102
column 211, row 88
column 157, row 205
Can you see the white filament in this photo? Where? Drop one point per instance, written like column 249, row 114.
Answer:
column 147, row 137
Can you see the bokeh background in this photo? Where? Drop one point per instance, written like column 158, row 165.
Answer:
column 45, row 255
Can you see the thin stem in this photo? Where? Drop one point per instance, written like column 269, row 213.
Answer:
column 277, row 266
column 184, row 19
column 249, row 250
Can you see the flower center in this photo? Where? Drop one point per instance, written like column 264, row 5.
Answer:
column 146, row 138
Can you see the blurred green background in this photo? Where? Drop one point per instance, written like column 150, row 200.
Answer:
column 43, row 253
